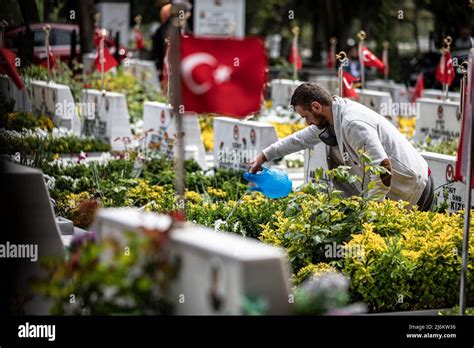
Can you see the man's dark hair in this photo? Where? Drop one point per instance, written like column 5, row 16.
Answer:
column 309, row 92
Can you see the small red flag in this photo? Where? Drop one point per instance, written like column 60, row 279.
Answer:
column 463, row 147
column 97, row 37
column 331, row 59
column 139, row 39
column 52, row 60
column 419, row 87
column 222, row 76
column 445, row 69
column 348, row 90
column 295, row 55
column 371, row 60
column 109, row 61
column 7, row 66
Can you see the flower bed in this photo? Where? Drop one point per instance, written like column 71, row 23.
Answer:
column 397, row 259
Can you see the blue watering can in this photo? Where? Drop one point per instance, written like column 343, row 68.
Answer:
column 273, row 183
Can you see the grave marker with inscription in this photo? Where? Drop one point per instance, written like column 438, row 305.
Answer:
column 438, row 119
column 110, row 120
column 56, row 101
column 159, row 117
column 237, row 142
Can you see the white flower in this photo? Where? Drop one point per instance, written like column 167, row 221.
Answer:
column 217, row 225
column 50, row 181
column 17, row 157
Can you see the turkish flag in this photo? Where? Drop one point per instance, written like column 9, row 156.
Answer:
column 139, row 39
column 371, row 60
column 463, row 148
column 222, row 76
column 445, row 69
column 295, row 55
column 419, row 87
column 348, row 90
column 7, row 66
column 109, row 61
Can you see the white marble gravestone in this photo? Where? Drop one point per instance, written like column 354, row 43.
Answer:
column 442, row 169
column 56, row 101
column 437, row 119
column 217, row 270
column 237, row 142
column 158, row 116
column 219, row 18
column 398, row 92
column 9, row 90
column 313, row 159
column 115, row 17
column 281, row 91
column 439, row 94
column 380, row 102
column 329, row 82
column 32, row 223
column 88, row 60
column 144, row 71
column 110, row 119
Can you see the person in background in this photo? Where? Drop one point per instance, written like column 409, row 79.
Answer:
column 349, row 128
column 159, row 43
column 464, row 41
column 354, row 65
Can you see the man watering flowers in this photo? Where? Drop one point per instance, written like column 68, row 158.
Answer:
column 348, row 129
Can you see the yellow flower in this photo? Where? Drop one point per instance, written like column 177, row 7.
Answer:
column 192, row 196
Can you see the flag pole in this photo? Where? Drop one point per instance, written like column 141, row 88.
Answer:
column 3, row 24
column 386, row 45
column 47, row 29
column 341, row 56
column 332, row 49
column 361, row 35
column 447, row 41
column 138, row 22
column 175, row 94
column 467, row 212
column 294, row 47
column 103, row 34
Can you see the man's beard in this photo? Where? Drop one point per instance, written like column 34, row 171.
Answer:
column 323, row 123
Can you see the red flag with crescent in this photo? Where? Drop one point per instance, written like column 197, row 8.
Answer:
column 222, row 76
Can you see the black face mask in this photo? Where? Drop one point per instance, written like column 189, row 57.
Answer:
column 328, row 136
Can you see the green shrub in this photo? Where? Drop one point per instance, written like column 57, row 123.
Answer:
column 312, row 271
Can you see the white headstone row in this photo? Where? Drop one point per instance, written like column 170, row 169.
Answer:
column 398, row 91
column 438, row 94
column 237, row 142
column 159, row 117
column 442, row 170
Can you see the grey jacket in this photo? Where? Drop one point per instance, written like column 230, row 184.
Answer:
column 358, row 127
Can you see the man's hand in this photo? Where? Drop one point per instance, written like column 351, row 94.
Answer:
column 256, row 164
